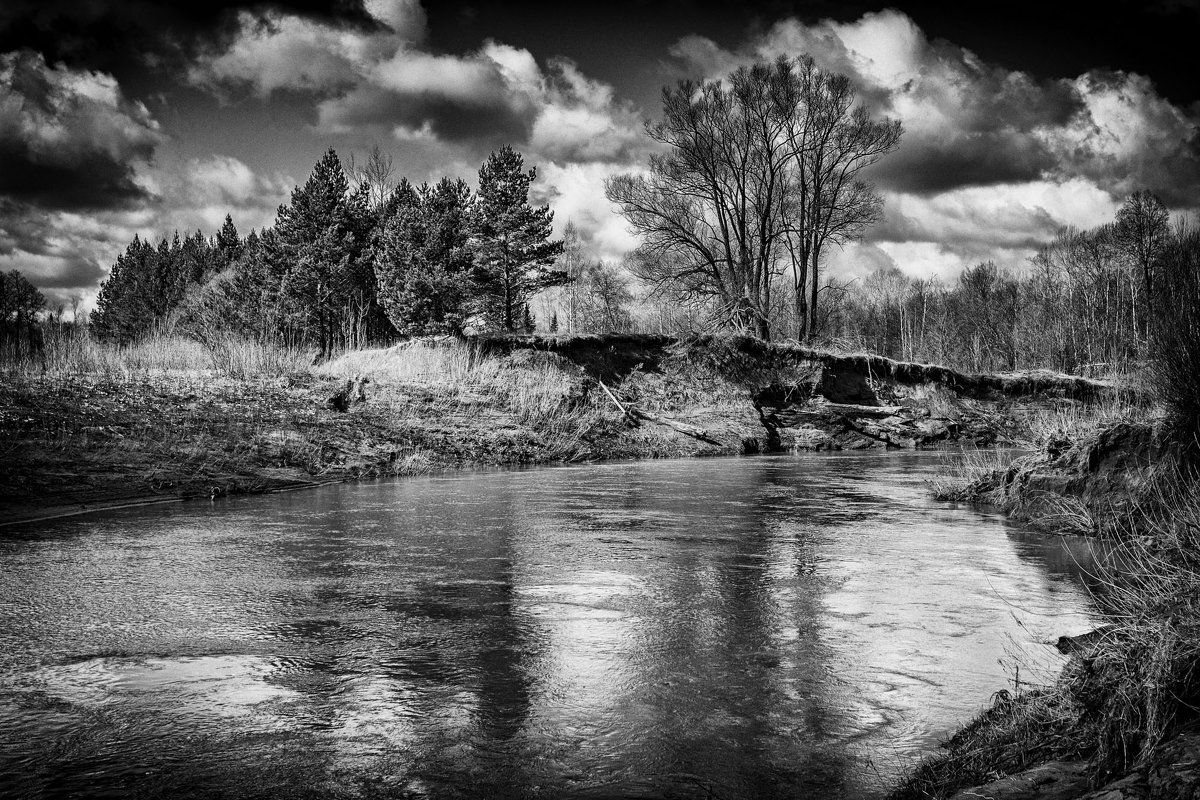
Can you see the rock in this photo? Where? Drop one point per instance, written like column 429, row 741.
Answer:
column 935, row 430
column 1174, row 773
column 1058, row 780
column 1131, row 787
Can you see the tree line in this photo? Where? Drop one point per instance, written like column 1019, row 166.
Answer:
column 352, row 257
column 1087, row 302
column 21, row 307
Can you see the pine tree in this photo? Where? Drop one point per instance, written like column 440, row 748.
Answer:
column 510, row 240
column 20, row 306
column 228, row 245
column 319, row 259
column 423, row 264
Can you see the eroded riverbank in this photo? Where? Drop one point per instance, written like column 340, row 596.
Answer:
column 84, row 441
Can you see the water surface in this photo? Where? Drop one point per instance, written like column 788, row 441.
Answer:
column 794, row 626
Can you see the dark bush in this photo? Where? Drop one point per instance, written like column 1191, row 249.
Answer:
column 1175, row 357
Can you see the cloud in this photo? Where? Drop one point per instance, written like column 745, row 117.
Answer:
column 970, row 123
column 68, row 252
column 992, row 161
column 69, row 139
column 576, row 193
column 386, row 81
column 135, row 39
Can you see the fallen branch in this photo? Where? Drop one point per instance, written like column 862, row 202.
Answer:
column 637, row 414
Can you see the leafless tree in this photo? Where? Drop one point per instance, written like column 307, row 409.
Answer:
column 710, row 211
column 830, row 140
column 378, row 174
column 604, row 298
column 1143, row 230
column 759, row 171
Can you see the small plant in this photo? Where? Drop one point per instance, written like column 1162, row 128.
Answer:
column 972, row 476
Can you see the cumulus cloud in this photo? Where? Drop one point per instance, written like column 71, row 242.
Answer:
column 993, row 161
column 70, row 139
column 68, row 252
column 386, row 81
column 970, row 123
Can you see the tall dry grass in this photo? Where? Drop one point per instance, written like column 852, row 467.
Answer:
column 531, row 387
column 538, row 390
column 1073, row 420
column 71, row 352
column 970, row 476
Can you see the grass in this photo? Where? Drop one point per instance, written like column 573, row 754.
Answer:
column 70, row 352
column 538, row 390
column 971, row 476
column 171, row 416
column 1072, row 420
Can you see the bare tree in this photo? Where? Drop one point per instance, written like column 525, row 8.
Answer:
column 830, row 141
column 1143, row 231
column 378, row 174
column 758, row 171
column 710, row 211
column 571, row 262
column 605, row 297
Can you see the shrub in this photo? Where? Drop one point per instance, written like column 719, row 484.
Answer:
column 1175, row 356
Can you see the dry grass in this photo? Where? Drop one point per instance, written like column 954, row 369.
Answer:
column 971, row 476
column 541, row 391
column 1016, row 733
column 532, row 385
column 70, row 352
column 1073, row 420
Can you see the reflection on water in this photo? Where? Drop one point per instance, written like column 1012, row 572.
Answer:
column 756, row 627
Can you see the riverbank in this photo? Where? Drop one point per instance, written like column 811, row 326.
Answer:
column 1122, row 722
column 114, row 431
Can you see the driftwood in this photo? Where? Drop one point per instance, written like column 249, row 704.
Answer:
column 637, row 414
column 353, row 391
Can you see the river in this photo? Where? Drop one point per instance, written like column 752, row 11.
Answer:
column 758, row 627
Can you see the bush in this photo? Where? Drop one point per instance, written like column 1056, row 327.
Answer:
column 1176, row 353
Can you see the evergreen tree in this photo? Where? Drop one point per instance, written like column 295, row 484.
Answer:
column 228, row 245
column 510, row 240
column 319, row 259
column 20, row 305
column 126, row 307
column 148, row 284
column 423, row 264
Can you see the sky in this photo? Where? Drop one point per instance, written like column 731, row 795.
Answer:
column 127, row 117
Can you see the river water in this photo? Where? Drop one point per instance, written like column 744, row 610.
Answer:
column 760, row 627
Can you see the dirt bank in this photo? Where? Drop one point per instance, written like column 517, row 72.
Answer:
column 78, row 442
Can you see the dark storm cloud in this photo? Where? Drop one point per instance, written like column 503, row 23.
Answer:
column 124, row 37
column 977, row 158
column 32, row 242
column 487, row 119
column 69, row 139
